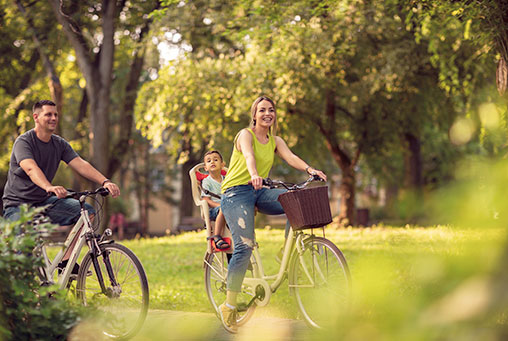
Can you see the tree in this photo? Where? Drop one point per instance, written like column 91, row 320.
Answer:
column 95, row 58
column 54, row 83
column 195, row 90
column 340, row 65
column 189, row 109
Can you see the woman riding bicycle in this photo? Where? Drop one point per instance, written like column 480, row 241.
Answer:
column 253, row 154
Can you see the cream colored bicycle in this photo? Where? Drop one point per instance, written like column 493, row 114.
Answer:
column 317, row 271
column 111, row 278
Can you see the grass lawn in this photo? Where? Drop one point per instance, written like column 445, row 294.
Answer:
column 401, row 276
column 399, row 261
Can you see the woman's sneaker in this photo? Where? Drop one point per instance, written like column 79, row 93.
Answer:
column 228, row 317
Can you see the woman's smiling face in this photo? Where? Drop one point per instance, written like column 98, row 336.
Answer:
column 265, row 114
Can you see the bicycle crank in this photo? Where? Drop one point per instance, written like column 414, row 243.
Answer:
column 262, row 290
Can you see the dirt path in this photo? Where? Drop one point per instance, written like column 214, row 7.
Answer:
column 178, row 325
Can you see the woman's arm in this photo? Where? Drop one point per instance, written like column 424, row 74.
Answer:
column 293, row 160
column 244, row 145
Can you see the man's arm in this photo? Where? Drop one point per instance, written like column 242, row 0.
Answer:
column 86, row 170
column 37, row 176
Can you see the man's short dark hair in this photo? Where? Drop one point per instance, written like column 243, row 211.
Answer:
column 213, row 152
column 41, row 103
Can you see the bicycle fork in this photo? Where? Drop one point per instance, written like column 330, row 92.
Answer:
column 314, row 268
column 114, row 290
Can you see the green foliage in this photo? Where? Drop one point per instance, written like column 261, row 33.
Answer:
column 29, row 311
column 190, row 105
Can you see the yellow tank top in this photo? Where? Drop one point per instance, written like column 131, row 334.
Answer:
column 238, row 174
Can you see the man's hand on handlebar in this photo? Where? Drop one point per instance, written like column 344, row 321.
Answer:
column 59, row 191
column 112, row 188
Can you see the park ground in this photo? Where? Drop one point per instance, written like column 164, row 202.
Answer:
column 406, row 283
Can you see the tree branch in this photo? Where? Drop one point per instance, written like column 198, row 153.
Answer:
column 77, row 41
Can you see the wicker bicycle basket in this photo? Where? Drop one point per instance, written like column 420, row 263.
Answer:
column 307, row 208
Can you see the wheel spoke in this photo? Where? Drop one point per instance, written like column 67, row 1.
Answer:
column 125, row 305
column 320, row 275
column 215, row 265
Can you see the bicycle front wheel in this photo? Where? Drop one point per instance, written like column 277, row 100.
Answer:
column 216, row 272
column 319, row 277
column 118, row 288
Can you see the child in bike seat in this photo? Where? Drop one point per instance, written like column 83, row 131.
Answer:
column 214, row 165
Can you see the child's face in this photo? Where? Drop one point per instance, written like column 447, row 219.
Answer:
column 213, row 162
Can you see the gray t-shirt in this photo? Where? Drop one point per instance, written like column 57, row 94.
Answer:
column 19, row 188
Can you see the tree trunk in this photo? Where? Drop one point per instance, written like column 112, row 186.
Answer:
column 347, row 214
column 413, row 163
column 99, row 137
column 141, row 165
column 121, row 147
column 146, row 191
column 347, row 190
column 98, row 77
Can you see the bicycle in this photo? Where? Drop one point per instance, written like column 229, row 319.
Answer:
column 311, row 263
column 111, row 278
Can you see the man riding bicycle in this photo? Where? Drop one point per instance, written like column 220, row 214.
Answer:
column 35, row 158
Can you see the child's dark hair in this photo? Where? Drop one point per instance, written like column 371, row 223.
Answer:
column 213, row 152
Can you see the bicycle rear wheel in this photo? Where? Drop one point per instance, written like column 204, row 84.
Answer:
column 319, row 277
column 216, row 272
column 123, row 305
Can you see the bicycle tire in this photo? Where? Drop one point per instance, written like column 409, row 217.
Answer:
column 319, row 277
column 215, row 265
column 126, row 305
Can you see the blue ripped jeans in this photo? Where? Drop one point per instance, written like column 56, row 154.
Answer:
column 238, row 206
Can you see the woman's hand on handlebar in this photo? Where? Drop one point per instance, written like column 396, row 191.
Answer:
column 317, row 172
column 59, row 191
column 256, row 181
column 112, row 188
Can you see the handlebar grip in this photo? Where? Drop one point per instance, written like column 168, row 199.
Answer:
column 103, row 191
column 316, row 177
column 268, row 182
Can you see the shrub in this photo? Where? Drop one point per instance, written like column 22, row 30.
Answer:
column 29, row 311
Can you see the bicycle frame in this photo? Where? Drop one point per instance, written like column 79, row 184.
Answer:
column 270, row 283
column 82, row 226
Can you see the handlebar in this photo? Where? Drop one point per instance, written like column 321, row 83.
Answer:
column 290, row 186
column 77, row 195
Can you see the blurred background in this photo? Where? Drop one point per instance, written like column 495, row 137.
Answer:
column 386, row 97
